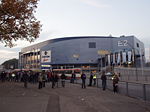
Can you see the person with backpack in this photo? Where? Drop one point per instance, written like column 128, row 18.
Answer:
column 73, row 77
column 25, row 79
column 90, row 79
column 83, row 77
column 56, row 79
column 63, row 78
column 53, row 79
column 94, row 79
column 40, row 79
column 115, row 83
column 103, row 78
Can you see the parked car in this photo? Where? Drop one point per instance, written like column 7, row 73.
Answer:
column 109, row 74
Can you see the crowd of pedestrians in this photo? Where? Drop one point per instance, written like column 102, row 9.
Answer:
column 49, row 76
column 93, row 77
column 19, row 76
column 34, row 77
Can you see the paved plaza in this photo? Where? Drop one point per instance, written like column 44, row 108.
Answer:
column 72, row 98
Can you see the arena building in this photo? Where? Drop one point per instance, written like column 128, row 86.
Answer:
column 87, row 52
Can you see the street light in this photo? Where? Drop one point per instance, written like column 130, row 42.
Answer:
column 102, row 54
column 135, row 59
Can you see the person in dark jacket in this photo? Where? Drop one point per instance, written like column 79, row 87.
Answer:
column 25, row 78
column 3, row 76
column 63, row 78
column 40, row 79
column 115, row 83
column 53, row 79
column 91, row 79
column 83, row 77
column 56, row 79
column 73, row 78
column 103, row 78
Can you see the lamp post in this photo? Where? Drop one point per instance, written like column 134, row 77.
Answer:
column 135, row 64
column 102, row 54
column 135, row 60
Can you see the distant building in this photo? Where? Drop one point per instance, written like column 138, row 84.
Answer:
column 86, row 52
column 1, row 68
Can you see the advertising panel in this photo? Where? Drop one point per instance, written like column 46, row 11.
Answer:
column 45, row 56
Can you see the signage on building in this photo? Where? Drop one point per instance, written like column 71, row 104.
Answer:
column 122, row 43
column 46, row 67
column 103, row 52
column 76, row 55
column 45, row 56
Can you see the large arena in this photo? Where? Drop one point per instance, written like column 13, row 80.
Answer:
column 86, row 53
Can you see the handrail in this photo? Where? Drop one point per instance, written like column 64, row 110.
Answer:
column 131, row 82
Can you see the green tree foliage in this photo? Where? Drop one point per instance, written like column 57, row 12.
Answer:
column 17, row 21
column 11, row 64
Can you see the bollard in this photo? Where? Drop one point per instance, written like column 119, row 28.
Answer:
column 127, row 93
column 97, row 82
column 144, row 91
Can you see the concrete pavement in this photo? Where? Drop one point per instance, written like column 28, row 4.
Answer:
column 72, row 98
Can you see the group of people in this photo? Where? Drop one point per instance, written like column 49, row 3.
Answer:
column 42, row 77
column 53, row 78
column 33, row 77
column 115, row 80
column 18, row 76
column 92, row 78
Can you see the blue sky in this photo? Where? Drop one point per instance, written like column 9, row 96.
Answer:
column 62, row 18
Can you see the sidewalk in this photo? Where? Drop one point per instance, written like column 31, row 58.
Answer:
column 72, row 98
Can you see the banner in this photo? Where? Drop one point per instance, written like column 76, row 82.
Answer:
column 124, row 58
column 108, row 59
column 114, row 59
column 129, row 56
column 45, row 56
column 133, row 54
column 118, row 58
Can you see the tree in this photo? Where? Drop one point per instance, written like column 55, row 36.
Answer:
column 17, row 21
column 11, row 64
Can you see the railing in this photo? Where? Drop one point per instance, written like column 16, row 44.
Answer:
column 131, row 89
column 134, row 74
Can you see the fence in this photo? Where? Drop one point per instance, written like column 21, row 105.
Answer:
column 131, row 89
column 134, row 74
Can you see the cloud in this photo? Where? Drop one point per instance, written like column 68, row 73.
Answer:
column 43, row 37
column 7, row 54
column 95, row 3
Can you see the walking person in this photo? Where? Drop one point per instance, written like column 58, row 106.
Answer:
column 3, row 76
column 49, row 74
column 94, row 79
column 40, row 80
column 91, row 79
column 115, row 82
column 103, row 78
column 63, row 78
column 53, row 79
column 43, row 79
column 83, row 77
column 56, row 79
column 73, row 77
column 25, row 78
